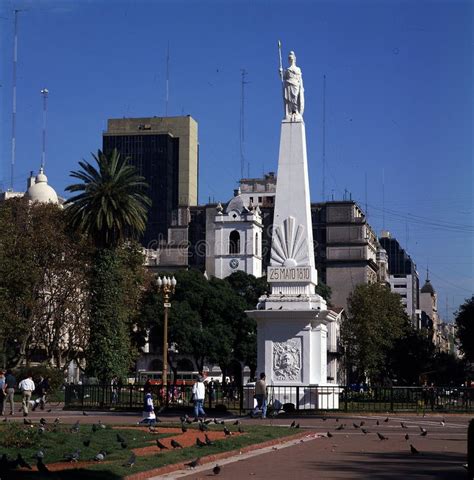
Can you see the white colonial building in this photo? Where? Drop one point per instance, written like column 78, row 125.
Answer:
column 236, row 239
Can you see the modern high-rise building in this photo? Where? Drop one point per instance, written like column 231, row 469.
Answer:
column 165, row 151
column 404, row 278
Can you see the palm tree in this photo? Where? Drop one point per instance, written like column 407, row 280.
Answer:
column 112, row 205
column 111, row 208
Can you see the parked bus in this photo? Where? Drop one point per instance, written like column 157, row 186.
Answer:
column 155, row 378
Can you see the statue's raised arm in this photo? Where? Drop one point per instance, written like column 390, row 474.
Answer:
column 293, row 91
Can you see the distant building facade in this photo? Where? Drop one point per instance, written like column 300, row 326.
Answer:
column 404, row 278
column 165, row 152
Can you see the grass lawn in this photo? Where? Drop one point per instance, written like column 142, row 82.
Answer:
column 58, row 441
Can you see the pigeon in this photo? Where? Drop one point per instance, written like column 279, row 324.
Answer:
column 131, row 461
column 424, row 433
column 324, row 419
column 240, row 429
column 124, row 445
column 222, row 422
column 5, row 419
column 208, row 440
column 85, row 414
column 20, row 461
column 175, row 444
column 120, row 439
column 101, row 425
column 200, row 443
column 100, row 456
column 160, row 445
column 208, row 421
column 362, row 423
column 183, row 428
column 216, row 470
column 189, row 421
column 75, row 427
column 86, row 442
column 94, row 427
column 329, row 435
column 41, row 429
column 337, row 420
column 377, row 423
column 227, row 432
column 237, row 422
column 152, row 429
column 50, row 410
column 442, row 423
column 42, row 421
column 403, row 425
column 26, row 421
column 340, row 427
column 355, row 425
column 215, row 421
column 183, row 419
column 407, row 437
column 297, row 425
column 73, row 457
column 281, row 307
column 42, row 468
column 293, row 423
column 193, row 464
column 381, row 436
column 386, row 420
column 413, row 450
column 203, row 427
column 364, row 431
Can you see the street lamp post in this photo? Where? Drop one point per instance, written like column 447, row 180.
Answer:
column 167, row 286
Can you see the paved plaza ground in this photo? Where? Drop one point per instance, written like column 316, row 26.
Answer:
column 348, row 454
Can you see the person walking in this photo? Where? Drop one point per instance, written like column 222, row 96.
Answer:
column 27, row 387
column 3, row 393
column 149, row 416
column 261, row 396
column 199, row 393
column 10, row 385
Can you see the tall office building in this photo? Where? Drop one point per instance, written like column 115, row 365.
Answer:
column 165, row 151
column 404, row 278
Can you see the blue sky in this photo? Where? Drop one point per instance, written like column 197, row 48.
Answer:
column 399, row 101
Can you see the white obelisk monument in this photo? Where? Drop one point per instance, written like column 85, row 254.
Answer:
column 292, row 320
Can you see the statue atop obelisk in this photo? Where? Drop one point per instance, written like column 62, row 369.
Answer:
column 293, row 91
column 292, row 320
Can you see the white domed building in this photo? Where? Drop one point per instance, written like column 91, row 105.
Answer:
column 39, row 191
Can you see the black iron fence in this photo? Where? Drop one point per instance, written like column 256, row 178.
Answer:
column 290, row 398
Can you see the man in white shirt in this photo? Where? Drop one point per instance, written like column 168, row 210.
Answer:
column 199, row 392
column 27, row 387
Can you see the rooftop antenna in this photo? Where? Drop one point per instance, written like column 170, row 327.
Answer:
column 324, row 137
column 44, row 93
column 366, row 206
column 427, row 274
column 167, row 79
column 15, row 58
column 242, row 123
column 383, row 198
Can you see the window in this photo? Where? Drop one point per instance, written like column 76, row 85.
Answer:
column 256, row 244
column 259, row 199
column 234, row 242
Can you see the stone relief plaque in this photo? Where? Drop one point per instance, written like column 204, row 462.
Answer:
column 287, row 360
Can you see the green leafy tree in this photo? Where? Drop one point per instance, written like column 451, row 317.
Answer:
column 110, row 208
column 43, row 271
column 375, row 322
column 465, row 328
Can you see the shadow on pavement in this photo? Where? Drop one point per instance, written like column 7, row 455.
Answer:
column 397, row 465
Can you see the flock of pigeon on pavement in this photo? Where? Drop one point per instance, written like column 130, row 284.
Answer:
column 7, row 465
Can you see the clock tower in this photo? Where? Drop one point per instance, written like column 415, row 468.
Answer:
column 237, row 238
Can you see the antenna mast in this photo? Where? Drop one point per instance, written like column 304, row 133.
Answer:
column 242, row 123
column 15, row 58
column 324, row 138
column 44, row 93
column 383, row 198
column 167, row 79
